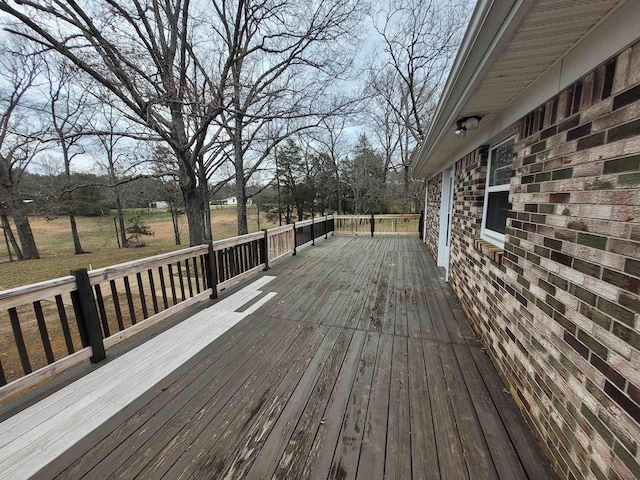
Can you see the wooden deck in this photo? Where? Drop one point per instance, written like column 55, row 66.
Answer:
column 361, row 366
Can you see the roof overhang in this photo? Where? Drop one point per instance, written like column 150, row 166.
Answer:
column 512, row 56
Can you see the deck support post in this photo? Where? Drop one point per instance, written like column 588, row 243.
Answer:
column 88, row 312
column 265, row 250
column 295, row 238
column 212, row 271
column 373, row 224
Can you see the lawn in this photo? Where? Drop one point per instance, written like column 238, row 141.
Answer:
column 97, row 235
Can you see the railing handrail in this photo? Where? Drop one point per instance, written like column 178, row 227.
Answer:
column 36, row 291
column 233, row 241
column 166, row 283
column 380, row 215
column 119, row 270
column 276, row 230
column 304, row 223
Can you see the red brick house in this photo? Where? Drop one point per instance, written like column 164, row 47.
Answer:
column 533, row 211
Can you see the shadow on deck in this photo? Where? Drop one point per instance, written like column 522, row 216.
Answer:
column 361, row 366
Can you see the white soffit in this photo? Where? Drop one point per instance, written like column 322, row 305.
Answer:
column 546, row 31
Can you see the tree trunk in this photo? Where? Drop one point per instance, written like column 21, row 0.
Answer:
column 405, row 188
column 27, row 242
column 176, row 225
column 208, row 231
column 120, row 218
column 194, row 210
column 241, row 191
column 6, row 226
column 77, row 247
column 339, row 193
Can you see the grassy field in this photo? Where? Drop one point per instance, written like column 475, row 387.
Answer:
column 97, row 235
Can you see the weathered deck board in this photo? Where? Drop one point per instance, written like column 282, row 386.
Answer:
column 362, row 366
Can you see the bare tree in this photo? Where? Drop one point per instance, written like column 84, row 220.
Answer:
column 284, row 59
column 420, row 39
column 111, row 137
column 70, row 108
column 152, row 56
column 22, row 137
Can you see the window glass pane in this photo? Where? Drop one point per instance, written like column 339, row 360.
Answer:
column 501, row 160
column 497, row 208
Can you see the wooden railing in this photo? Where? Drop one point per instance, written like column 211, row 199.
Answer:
column 49, row 326
column 374, row 225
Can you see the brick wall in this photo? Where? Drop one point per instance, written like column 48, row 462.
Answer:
column 434, row 195
column 559, row 313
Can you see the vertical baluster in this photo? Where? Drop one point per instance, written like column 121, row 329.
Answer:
column 44, row 334
column 3, row 378
column 101, row 310
column 181, row 279
column 212, row 271
column 64, row 323
column 77, row 311
column 163, row 287
column 143, row 298
column 116, row 304
column 221, row 256
column 17, row 335
column 186, row 264
column 295, row 239
column 195, row 272
column 152, row 286
column 204, row 271
column 232, row 262
column 127, row 289
column 173, row 285
column 244, row 258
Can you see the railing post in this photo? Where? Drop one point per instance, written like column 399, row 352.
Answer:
column 212, row 271
column 326, row 227
column 313, row 234
column 295, row 238
column 266, row 250
column 373, row 225
column 89, row 314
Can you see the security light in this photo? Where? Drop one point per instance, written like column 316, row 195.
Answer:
column 467, row 123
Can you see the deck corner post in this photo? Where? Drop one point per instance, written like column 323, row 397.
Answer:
column 266, row 251
column 89, row 314
column 313, row 233
column 212, row 271
column 373, row 224
column 326, row 227
column 295, row 238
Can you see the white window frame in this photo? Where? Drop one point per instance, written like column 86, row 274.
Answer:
column 491, row 236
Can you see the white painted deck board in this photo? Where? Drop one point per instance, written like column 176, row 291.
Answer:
column 34, row 437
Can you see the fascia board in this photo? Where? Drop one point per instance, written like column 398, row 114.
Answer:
column 491, row 27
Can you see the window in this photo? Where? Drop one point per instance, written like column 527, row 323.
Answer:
column 496, row 197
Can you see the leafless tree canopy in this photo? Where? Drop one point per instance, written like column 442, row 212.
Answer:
column 176, row 67
column 219, row 85
column 420, row 39
column 23, row 134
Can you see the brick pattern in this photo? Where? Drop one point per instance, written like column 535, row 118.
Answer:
column 559, row 313
column 434, row 195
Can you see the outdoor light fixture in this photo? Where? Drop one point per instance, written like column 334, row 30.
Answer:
column 466, row 123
